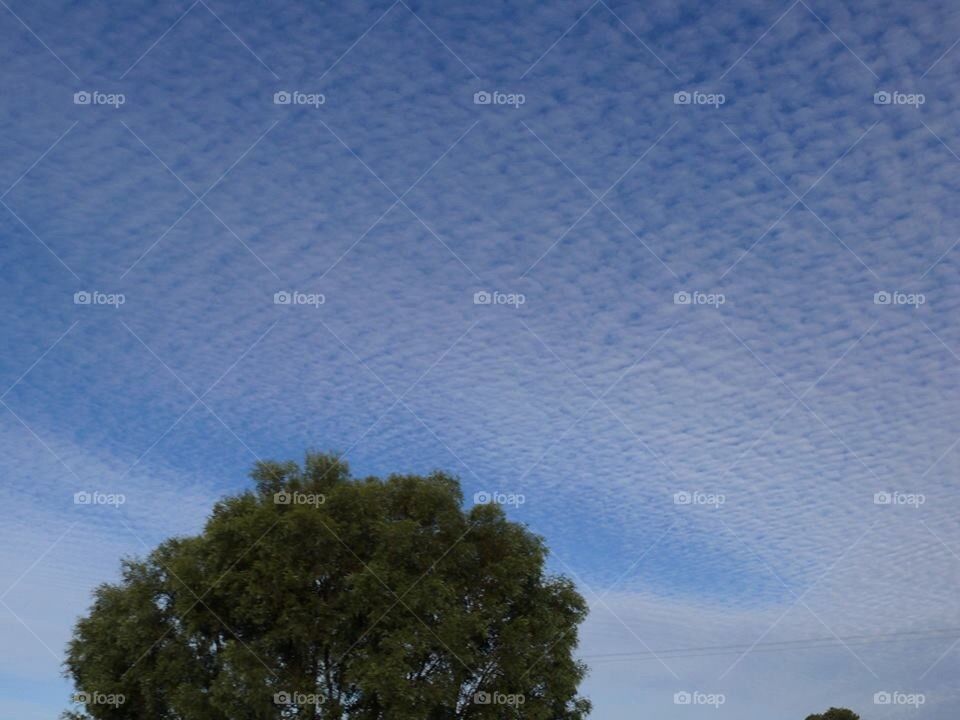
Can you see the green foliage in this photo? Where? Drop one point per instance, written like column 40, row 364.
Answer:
column 835, row 714
column 361, row 599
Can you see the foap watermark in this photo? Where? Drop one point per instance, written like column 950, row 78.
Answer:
column 895, row 97
column 697, row 697
column 95, row 97
column 294, row 297
column 499, row 498
column 95, row 297
column 914, row 500
column 914, row 300
column 96, row 497
column 285, row 497
column 483, row 297
column 698, row 497
column 286, row 698
column 699, row 298
column 495, row 97
column 696, row 97
column 897, row 697
column 99, row 698
column 499, row 698
column 296, row 97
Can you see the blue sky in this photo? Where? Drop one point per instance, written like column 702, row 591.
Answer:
column 598, row 198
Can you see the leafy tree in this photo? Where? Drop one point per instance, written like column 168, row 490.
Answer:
column 318, row 595
column 835, row 714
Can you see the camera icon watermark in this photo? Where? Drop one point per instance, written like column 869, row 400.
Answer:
column 498, row 698
column 285, row 497
column 95, row 297
column 96, row 497
column 286, row 698
column 483, row 297
column 296, row 97
column 294, row 297
column 95, row 97
column 895, row 97
column 495, row 97
column 695, row 697
column 895, row 297
column 99, row 698
column 696, row 97
column 495, row 497
column 899, row 499
column 896, row 697
column 698, row 497
column 696, row 297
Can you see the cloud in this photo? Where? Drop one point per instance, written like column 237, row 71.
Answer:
column 797, row 398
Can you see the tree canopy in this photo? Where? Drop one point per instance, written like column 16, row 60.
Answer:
column 835, row 714
column 319, row 595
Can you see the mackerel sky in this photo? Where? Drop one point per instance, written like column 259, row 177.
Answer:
column 680, row 276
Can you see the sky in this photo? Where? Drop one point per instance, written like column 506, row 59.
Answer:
column 680, row 275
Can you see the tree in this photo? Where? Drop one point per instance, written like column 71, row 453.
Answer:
column 835, row 714
column 318, row 595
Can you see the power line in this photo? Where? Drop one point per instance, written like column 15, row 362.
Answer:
column 777, row 646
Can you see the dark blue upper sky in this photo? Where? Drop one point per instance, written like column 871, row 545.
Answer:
column 790, row 169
